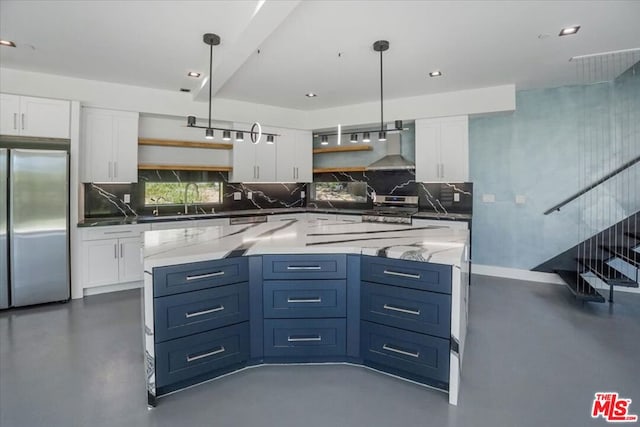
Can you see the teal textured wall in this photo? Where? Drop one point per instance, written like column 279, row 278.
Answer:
column 556, row 142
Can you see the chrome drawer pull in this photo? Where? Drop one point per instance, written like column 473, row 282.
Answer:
column 304, row 267
column 397, row 273
column 395, row 350
column 401, row 310
column 117, row 232
column 202, row 356
column 312, row 299
column 206, row 276
column 201, row 313
column 304, row 339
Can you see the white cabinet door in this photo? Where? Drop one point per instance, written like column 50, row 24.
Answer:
column 43, row 117
column 286, row 155
column 97, row 145
column 427, row 150
column 130, row 262
column 442, row 149
column 265, row 156
column 304, row 156
column 349, row 218
column 319, row 217
column 212, row 222
column 9, row 114
column 244, row 162
column 455, row 225
column 110, row 145
column 454, row 150
column 125, row 147
column 100, row 264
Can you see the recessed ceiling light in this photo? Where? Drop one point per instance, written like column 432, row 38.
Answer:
column 435, row 74
column 310, row 95
column 569, row 30
column 8, row 43
column 182, row 89
column 193, row 74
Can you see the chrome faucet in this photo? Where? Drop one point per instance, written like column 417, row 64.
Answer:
column 156, row 211
column 186, row 191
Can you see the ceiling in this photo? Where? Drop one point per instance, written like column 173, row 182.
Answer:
column 314, row 46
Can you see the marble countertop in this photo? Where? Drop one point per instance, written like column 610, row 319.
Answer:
column 96, row 222
column 436, row 244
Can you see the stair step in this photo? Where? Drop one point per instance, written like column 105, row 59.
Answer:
column 635, row 235
column 607, row 273
column 579, row 287
column 624, row 253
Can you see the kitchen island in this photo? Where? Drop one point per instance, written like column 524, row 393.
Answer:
column 390, row 297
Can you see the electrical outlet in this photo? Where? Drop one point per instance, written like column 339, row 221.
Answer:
column 520, row 199
column 302, row 195
column 249, row 195
column 489, row 198
column 127, row 198
column 456, row 197
column 237, row 195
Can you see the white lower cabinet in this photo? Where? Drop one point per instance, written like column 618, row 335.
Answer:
column 112, row 255
column 455, row 225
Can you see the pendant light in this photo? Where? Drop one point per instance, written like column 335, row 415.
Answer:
column 381, row 46
column 255, row 133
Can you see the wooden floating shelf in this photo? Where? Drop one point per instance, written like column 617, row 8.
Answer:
column 147, row 166
column 344, row 169
column 342, row 148
column 185, row 144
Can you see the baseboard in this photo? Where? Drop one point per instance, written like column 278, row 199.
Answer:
column 532, row 276
column 112, row 288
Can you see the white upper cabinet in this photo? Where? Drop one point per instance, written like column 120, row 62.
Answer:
column 253, row 162
column 110, row 145
column 442, row 149
column 295, row 156
column 37, row 117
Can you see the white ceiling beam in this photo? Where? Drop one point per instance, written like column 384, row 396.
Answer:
column 268, row 16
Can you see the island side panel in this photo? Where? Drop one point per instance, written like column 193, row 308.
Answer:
column 149, row 344
column 459, row 316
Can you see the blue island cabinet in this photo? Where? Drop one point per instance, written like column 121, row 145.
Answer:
column 214, row 317
column 406, row 319
column 201, row 321
column 306, row 308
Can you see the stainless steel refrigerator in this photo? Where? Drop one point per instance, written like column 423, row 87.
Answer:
column 34, row 227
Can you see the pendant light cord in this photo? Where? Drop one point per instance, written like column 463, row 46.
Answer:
column 381, row 97
column 210, row 80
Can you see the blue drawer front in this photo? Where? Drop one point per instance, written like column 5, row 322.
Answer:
column 409, row 274
column 305, row 299
column 295, row 267
column 419, row 311
column 305, row 337
column 184, row 358
column 199, row 275
column 422, row 355
column 199, row 311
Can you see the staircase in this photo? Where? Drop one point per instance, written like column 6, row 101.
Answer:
column 610, row 257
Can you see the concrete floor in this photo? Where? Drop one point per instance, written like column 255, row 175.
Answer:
column 534, row 357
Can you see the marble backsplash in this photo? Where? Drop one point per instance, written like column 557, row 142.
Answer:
column 107, row 200
column 432, row 197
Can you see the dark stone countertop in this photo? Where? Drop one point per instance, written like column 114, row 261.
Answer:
column 95, row 222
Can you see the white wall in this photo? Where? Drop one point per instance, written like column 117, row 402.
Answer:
column 141, row 99
column 177, row 104
column 472, row 101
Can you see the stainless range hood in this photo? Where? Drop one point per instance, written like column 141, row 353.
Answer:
column 393, row 160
